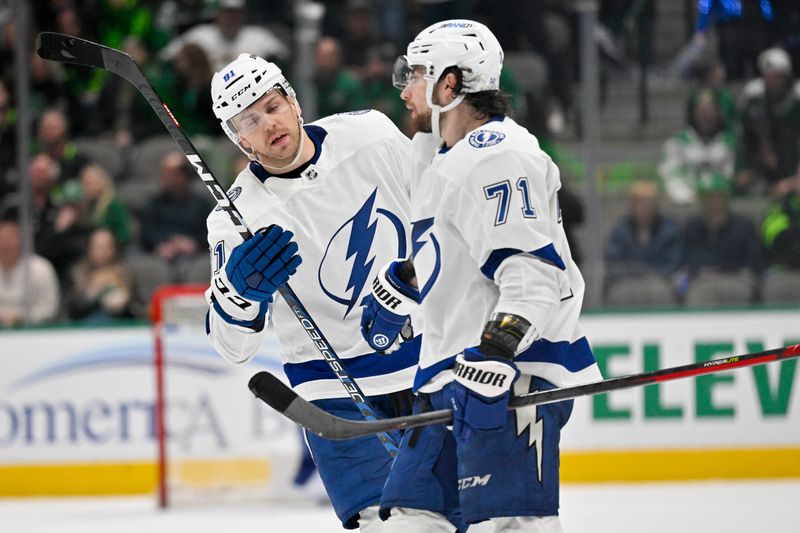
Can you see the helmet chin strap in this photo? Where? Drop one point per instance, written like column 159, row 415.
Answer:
column 437, row 110
column 300, row 146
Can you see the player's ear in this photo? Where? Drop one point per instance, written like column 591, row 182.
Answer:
column 246, row 145
column 446, row 89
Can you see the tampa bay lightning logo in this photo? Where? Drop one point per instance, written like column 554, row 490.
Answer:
column 351, row 247
column 484, row 138
column 233, row 194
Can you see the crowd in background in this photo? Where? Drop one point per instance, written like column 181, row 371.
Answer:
column 117, row 211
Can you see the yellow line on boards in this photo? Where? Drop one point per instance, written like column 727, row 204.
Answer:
column 83, row 479
column 576, row 467
column 677, row 465
column 78, row 479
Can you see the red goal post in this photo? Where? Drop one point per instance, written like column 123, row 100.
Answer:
column 166, row 303
column 215, row 441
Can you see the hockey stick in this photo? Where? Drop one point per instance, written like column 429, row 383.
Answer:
column 68, row 49
column 272, row 391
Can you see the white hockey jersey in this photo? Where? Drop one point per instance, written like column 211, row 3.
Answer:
column 349, row 211
column 487, row 237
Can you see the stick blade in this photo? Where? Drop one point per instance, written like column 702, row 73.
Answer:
column 272, row 391
column 67, row 49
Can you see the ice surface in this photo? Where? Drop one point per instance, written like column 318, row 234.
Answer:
column 703, row 507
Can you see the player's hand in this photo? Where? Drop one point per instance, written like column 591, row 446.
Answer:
column 258, row 266
column 480, row 392
column 385, row 320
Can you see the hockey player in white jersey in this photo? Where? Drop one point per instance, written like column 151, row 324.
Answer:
column 500, row 299
column 333, row 197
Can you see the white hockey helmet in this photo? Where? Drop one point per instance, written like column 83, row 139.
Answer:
column 241, row 83
column 465, row 44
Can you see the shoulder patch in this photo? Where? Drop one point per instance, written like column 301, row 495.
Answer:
column 359, row 112
column 233, row 194
column 484, row 138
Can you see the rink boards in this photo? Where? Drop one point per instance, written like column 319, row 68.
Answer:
column 77, row 408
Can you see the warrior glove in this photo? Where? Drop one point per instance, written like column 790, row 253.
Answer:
column 385, row 320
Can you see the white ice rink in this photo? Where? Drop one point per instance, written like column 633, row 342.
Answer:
column 707, row 507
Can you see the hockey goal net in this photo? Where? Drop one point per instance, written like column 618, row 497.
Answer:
column 215, row 441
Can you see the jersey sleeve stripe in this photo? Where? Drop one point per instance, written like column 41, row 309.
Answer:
column 573, row 356
column 547, row 253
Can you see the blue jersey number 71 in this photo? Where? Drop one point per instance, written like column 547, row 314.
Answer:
column 502, row 191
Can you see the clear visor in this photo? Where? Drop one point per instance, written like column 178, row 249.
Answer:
column 252, row 117
column 404, row 74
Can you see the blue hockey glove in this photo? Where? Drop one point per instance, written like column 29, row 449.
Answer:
column 385, row 321
column 480, row 392
column 258, row 266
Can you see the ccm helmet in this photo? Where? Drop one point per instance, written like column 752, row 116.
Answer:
column 239, row 84
column 465, row 44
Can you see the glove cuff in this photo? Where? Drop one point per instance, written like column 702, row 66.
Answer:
column 231, row 302
column 392, row 294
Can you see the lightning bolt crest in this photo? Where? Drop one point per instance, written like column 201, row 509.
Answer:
column 526, row 419
column 362, row 234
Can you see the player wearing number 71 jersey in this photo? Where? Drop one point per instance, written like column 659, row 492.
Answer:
column 500, row 299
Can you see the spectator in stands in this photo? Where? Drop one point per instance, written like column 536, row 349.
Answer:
column 705, row 147
column 53, row 138
column 743, row 29
column 120, row 109
column 58, row 233
column 708, row 74
column 722, row 252
column 184, row 85
column 175, row 17
column 337, row 89
column 100, row 206
column 781, row 234
column 173, row 222
column 770, row 134
column 44, row 295
column 643, row 253
column 781, row 228
column 228, row 37
column 100, row 288
column 83, row 83
column 42, row 177
column 359, row 36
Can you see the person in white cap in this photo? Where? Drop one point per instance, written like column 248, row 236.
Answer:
column 500, row 299
column 227, row 37
column 333, row 197
column 769, row 143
